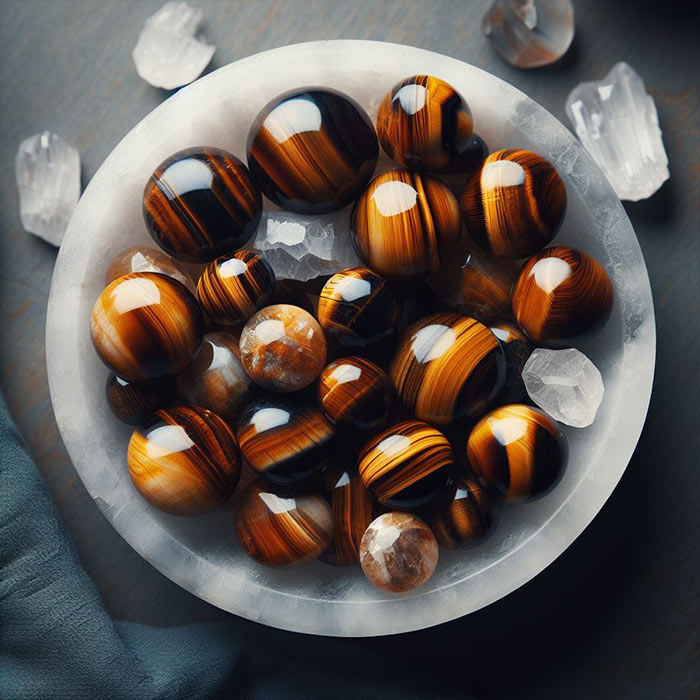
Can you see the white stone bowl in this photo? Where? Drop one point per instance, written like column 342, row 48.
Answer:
column 202, row 554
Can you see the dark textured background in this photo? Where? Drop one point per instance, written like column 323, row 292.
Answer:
column 617, row 615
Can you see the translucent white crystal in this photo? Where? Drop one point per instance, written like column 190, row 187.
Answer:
column 617, row 122
column 168, row 54
column 565, row 384
column 47, row 170
column 301, row 248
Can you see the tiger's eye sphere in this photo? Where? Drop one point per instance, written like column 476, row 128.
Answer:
column 133, row 402
column 355, row 392
column 279, row 529
column 446, row 367
column 517, row 452
column 233, row 287
column 357, row 308
column 405, row 224
column 517, row 348
column 424, row 124
column 407, row 465
column 398, row 552
column 282, row 348
column 145, row 326
column 284, row 440
column 560, row 294
column 201, row 203
column 514, row 204
column 184, row 460
column 144, row 259
column 312, row 151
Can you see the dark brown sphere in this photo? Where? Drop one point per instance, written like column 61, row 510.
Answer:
column 516, row 348
column 145, row 259
column 133, row 402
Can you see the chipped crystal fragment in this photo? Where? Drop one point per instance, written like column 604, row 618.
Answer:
column 530, row 33
column 169, row 53
column 565, row 384
column 47, row 170
column 617, row 122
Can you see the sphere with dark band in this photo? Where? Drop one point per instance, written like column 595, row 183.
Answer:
column 424, row 124
column 145, row 326
column 561, row 293
column 514, row 204
column 184, row 461
column 405, row 224
column 517, row 452
column 284, row 440
column 233, row 287
column 446, row 367
column 133, row 402
column 312, row 151
column 201, row 203
column 407, row 465
column 280, row 529
column 357, row 393
column 357, row 308
column 517, row 348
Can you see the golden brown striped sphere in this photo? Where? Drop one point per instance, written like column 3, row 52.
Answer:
column 145, row 259
column 312, row 151
column 145, row 326
column 517, row 452
column 560, row 294
column 133, row 402
column 405, row 224
column 201, row 203
column 184, row 460
column 514, row 204
column 280, row 529
column 233, row 287
column 424, row 123
column 407, row 465
column 446, row 367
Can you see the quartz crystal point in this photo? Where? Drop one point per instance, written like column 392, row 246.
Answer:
column 530, row 33
column 565, row 384
column 47, row 170
column 168, row 53
column 617, row 122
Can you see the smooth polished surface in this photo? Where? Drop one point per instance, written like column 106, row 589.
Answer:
column 517, row 348
column 132, row 402
column 141, row 258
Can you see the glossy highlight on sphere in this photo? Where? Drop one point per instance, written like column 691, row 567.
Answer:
column 405, row 224
column 561, row 293
column 357, row 308
column 424, row 124
column 145, row 259
column 279, row 529
column 517, row 452
column 446, row 367
column 201, row 203
column 184, row 461
column 133, row 402
column 146, row 326
column 407, row 465
column 514, row 204
column 312, row 151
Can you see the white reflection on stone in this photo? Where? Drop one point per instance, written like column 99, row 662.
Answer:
column 549, row 273
column 394, row 197
column 432, row 341
column 135, row 294
column 166, row 440
column 346, row 373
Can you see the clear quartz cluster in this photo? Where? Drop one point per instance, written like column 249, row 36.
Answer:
column 169, row 53
column 617, row 122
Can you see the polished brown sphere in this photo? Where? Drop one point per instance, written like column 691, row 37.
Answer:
column 233, row 287
column 357, row 308
column 405, row 224
column 280, row 529
column 201, row 203
column 355, row 392
column 560, row 294
column 514, row 204
column 447, row 367
column 517, row 349
column 145, row 259
column 424, row 123
column 517, row 452
column 312, row 151
column 407, row 465
column 133, row 402
column 184, row 460
column 145, row 326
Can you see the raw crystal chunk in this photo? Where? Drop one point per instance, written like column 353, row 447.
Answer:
column 530, row 33
column 565, row 384
column 168, row 54
column 617, row 122
column 47, row 170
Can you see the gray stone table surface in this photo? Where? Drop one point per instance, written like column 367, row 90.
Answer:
column 617, row 614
